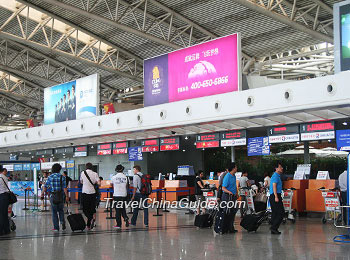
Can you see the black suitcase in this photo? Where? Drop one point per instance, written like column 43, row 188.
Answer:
column 259, row 206
column 222, row 222
column 76, row 222
column 205, row 220
column 252, row 222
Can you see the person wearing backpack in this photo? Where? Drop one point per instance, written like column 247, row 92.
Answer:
column 89, row 179
column 142, row 189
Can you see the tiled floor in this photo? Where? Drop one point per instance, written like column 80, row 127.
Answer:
column 171, row 236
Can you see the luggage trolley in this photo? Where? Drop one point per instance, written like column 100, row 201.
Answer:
column 210, row 194
column 287, row 197
column 249, row 195
column 332, row 205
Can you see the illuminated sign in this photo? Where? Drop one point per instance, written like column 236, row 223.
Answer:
column 104, row 149
column 234, row 138
column 170, row 144
column 209, row 144
column 283, row 134
column 80, row 151
column 150, row 145
column 317, row 131
column 120, row 148
column 208, row 140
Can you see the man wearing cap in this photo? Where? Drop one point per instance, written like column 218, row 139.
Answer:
column 120, row 185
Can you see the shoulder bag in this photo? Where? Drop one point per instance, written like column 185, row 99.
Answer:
column 12, row 196
column 57, row 196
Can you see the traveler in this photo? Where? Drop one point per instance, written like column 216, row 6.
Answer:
column 42, row 182
column 229, row 188
column 89, row 179
column 199, row 185
column 137, row 196
column 267, row 180
column 343, row 184
column 68, row 179
column 276, row 200
column 120, row 185
column 243, row 185
column 221, row 179
column 4, row 204
column 57, row 188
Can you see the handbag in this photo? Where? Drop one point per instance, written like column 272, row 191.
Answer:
column 57, row 196
column 12, row 196
column 261, row 197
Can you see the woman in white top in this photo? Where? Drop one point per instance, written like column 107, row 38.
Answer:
column 267, row 180
column 4, row 204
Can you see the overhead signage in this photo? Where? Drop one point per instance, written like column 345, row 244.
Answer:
column 202, row 70
column 210, row 140
column 234, row 138
column 258, row 146
column 343, row 140
column 35, row 166
column 44, row 152
column 26, row 167
column 317, row 131
column 135, row 154
column 104, row 149
column 80, row 151
column 283, row 134
column 8, row 167
column 48, row 165
column 72, row 100
column 64, row 150
column 170, row 143
column 120, row 147
column 70, row 164
column 150, row 145
column 13, row 157
column 18, row 167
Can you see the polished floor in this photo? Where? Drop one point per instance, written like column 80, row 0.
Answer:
column 171, row 236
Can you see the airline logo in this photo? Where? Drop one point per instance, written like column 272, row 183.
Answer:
column 317, row 136
column 234, row 142
column 284, row 138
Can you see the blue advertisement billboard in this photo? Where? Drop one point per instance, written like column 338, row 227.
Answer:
column 26, row 167
column 343, row 140
column 18, row 187
column 35, row 166
column 135, row 154
column 18, row 167
column 258, row 146
column 72, row 100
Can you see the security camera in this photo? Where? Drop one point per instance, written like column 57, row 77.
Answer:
column 173, row 132
column 71, row 143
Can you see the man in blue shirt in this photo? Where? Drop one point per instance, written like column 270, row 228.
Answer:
column 276, row 199
column 56, row 183
column 229, row 188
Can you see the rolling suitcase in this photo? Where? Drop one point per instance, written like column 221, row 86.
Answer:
column 252, row 222
column 205, row 220
column 222, row 222
column 76, row 222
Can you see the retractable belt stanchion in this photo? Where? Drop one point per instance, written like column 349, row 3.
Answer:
column 164, row 209
column 158, row 199
column 25, row 200
column 108, row 199
column 189, row 212
column 45, row 204
column 131, row 211
column 110, row 206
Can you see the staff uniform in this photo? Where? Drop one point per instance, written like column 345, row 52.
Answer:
column 120, row 187
column 276, row 207
column 229, row 182
column 4, row 204
column 88, row 194
column 343, row 184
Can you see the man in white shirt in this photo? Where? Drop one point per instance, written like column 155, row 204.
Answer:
column 120, row 185
column 4, row 204
column 243, row 184
column 89, row 179
column 343, row 184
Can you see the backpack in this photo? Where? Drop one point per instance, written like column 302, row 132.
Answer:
column 146, row 184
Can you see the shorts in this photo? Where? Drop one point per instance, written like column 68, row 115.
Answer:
column 200, row 198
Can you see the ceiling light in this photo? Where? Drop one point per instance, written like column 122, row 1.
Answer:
column 184, row 150
column 186, row 138
column 15, row 115
column 345, row 123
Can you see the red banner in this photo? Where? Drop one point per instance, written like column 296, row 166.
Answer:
column 109, row 108
column 30, row 123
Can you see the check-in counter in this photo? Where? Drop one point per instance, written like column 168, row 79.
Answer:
column 299, row 194
column 314, row 199
column 157, row 184
column 174, row 190
column 106, row 184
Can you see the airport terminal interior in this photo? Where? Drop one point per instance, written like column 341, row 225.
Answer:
column 174, row 129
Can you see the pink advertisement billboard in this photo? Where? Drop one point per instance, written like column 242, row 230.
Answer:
column 206, row 69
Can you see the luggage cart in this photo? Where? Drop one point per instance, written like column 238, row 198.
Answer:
column 249, row 195
column 287, row 197
column 210, row 196
column 332, row 205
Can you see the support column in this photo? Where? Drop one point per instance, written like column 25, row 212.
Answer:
column 233, row 154
column 306, row 153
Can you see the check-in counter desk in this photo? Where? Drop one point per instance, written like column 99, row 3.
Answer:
column 299, row 194
column 157, row 184
column 174, row 190
column 314, row 199
column 106, row 184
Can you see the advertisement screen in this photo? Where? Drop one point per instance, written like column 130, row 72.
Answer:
column 72, row 100
column 202, row 70
column 343, row 140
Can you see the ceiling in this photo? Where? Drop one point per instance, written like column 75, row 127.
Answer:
column 47, row 42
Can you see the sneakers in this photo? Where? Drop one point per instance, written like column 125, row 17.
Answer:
column 146, row 226
column 63, row 226
column 275, row 232
column 127, row 223
column 92, row 224
column 54, row 230
column 117, row 227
